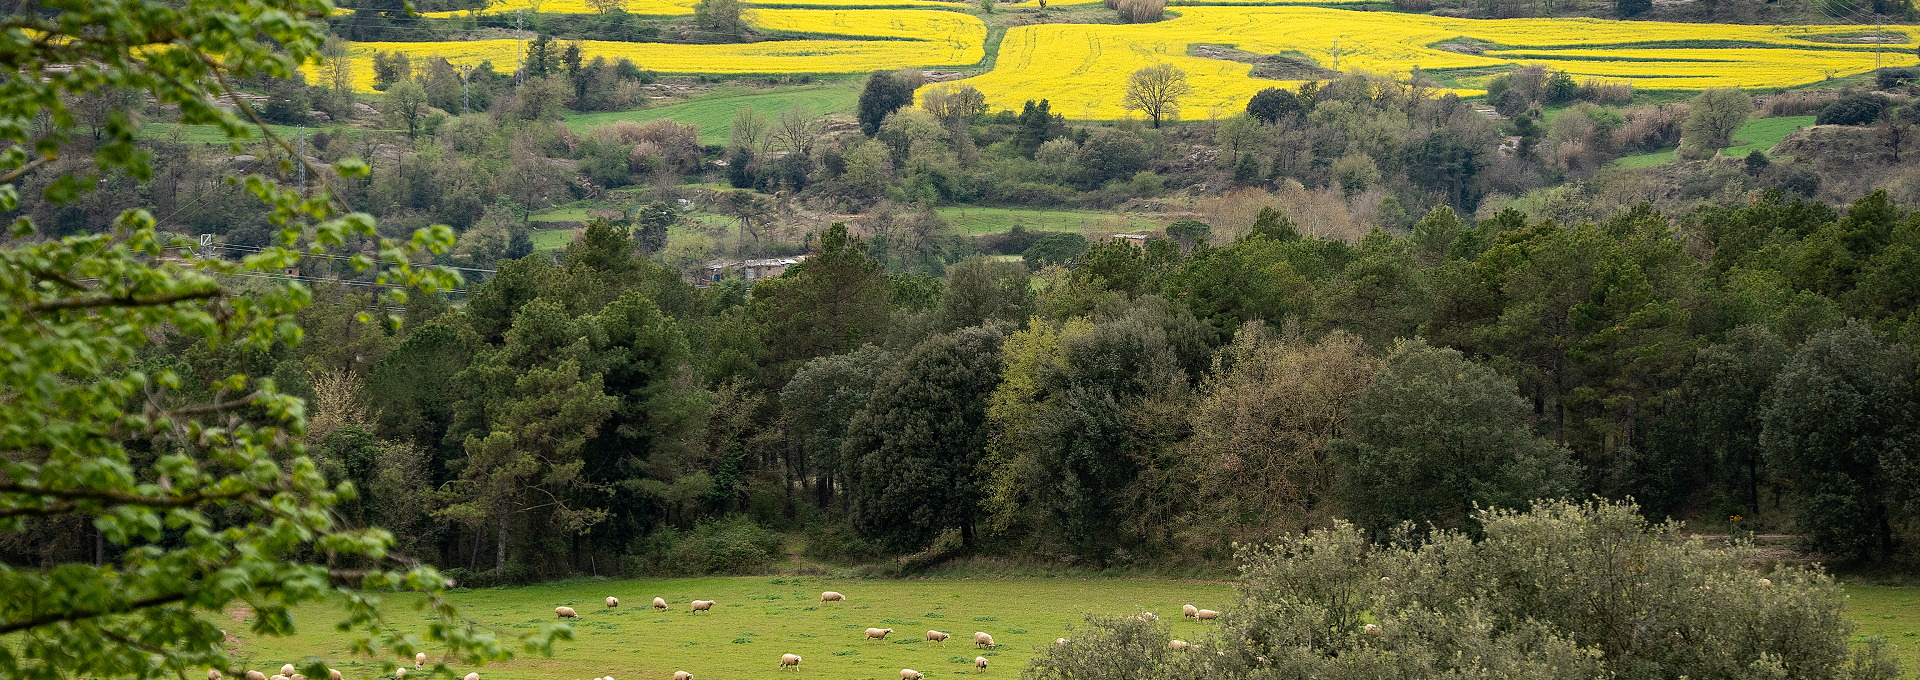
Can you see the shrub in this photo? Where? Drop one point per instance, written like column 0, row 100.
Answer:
column 1564, row 590
column 1856, row 109
column 1055, row 248
column 730, row 545
column 1141, row 11
column 1889, row 78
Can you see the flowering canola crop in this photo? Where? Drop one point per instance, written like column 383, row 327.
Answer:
column 1083, row 68
column 673, row 7
column 906, row 38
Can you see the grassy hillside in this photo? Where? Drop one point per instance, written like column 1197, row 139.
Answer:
column 714, row 113
column 973, row 220
column 1759, row 134
column 759, row 618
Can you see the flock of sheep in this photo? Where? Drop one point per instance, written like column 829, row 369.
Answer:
column 787, row 661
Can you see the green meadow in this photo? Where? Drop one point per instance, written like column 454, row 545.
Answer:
column 757, row 619
column 714, row 112
column 973, row 220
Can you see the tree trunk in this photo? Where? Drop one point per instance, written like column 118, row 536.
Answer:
column 500, row 550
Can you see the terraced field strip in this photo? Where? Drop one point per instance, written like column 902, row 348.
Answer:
column 974, row 221
column 1082, row 67
column 673, row 7
column 714, row 113
column 1759, row 134
column 758, row 618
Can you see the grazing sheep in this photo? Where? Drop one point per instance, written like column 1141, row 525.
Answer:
column 399, row 673
column 702, row 605
column 256, row 675
column 911, row 674
column 1766, row 583
column 878, row 633
column 1386, row 580
column 472, row 676
column 1148, row 617
column 213, row 674
column 297, row 676
column 612, row 602
column 1060, row 642
column 277, row 676
column 1372, row 630
column 1179, row 645
column 1206, row 615
column 333, row 674
column 659, row 603
column 982, row 640
column 288, row 670
column 565, row 613
column 980, row 664
column 790, row 661
column 831, row 596
column 419, row 659
column 937, row 636
column 1188, row 610
column 682, row 675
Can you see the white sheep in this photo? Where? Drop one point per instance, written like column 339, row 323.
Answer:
column 937, row 636
column 213, row 674
column 399, row 673
column 288, row 670
column 419, row 659
column 702, row 605
column 1179, row 645
column 1206, row 615
column 256, row 675
column 277, row 676
column 1386, row 580
column 682, row 675
column 878, row 633
column 333, row 674
column 980, row 664
column 790, row 661
column 659, row 603
column 1148, row 617
column 1188, row 610
column 296, row 676
column 1372, row 629
column 612, row 602
column 1766, row 583
column 565, row 613
column 1060, row 642
column 831, row 596
column 472, row 676
column 911, row 674
column 982, row 640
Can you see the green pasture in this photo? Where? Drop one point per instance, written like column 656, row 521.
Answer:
column 757, row 619
column 551, row 239
column 1759, row 134
column 973, row 220
column 714, row 112
column 1891, row 613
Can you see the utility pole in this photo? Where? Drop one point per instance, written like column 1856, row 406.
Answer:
column 519, row 47
column 300, row 162
column 1336, row 54
column 466, row 95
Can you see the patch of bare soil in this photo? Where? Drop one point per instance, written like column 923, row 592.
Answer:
column 1268, row 66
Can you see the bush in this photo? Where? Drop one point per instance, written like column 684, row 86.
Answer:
column 1055, row 248
column 1564, row 590
column 730, row 545
column 1857, row 109
column 1141, row 11
column 1889, row 78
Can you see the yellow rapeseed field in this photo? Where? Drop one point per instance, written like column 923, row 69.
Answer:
column 671, row 7
column 1083, row 68
column 911, row 38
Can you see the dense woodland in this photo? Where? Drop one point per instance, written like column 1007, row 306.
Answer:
column 1346, row 327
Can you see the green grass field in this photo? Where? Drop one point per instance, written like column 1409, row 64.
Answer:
column 1891, row 613
column 551, row 239
column 756, row 619
column 973, row 221
column 1759, row 134
column 714, row 112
